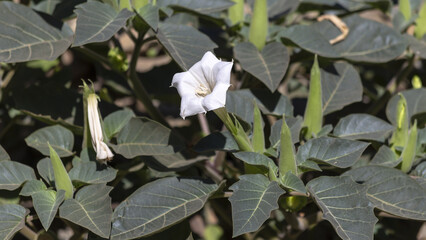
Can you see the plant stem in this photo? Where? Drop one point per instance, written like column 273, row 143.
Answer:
column 137, row 86
column 28, row 233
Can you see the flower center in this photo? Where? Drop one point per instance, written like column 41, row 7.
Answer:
column 202, row 91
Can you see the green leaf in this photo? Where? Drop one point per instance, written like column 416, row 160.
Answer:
column 392, row 191
column 337, row 152
column 46, row 204
column 409, row 152
column 420, row 29
column 62, row 180
column 287, row 161
column 362, row 126
column 201, row 6
column 241, row 103
column 13, row 220
column 91, row 172
column 31, row 187
column 257, row 159
column 222, row 141
column 269, row 65
column 142, row 136
column 158, row 205
column 415, row 99
column 175, row 162
column 291, row 181
column 115, row 121
column 295, row 125
column 25, row 36
column 405, row 8
column 259, row 24
column 313, row 112
column 179, row 41
column 45, row 169
column 60, row 138
column 254, row 198
column 420, row 170
column 236, row 12
column 345, row 206
column 150, row 15
column 385, row 157
column 258, row 137
column 341, row 86
column 13, row 174
column 98, row 22
column 400, row 135
column 418, row 46
column 360, row 44
column 91, row 209
column 3, row 154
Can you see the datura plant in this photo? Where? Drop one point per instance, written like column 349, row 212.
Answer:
column 202, row 119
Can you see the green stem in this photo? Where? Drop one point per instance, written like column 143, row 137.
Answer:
column 137, row 86
column 28, row 233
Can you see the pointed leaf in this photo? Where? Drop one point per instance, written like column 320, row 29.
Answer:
column 150, row 15
column 12, row 220
column 179, row 42
column 3, row 154
column 25, row 36
column 91, row 209
column 258, row 137
column 222, row 141
column 142, row 136
column 201, row 6
column 253, row 200
column 45, row 169
column 341, row 86
column 62, row 180
column 159, row 204
column 409, row 153
column 312, row 119
column 13, row 174
column 98, row 22
column 295, row 125
column 115, row 121
column 362, row 126
column 415, row 104
column 91, row 172
column 175, row 162
column 46, row 204
column 31, row 187
column 345, row 206
column 338, row 152
column 289, row 180
column 287, row 159
column 269, row 65
column 392, row 191
column 385, row 157
column 60, row 138
column 257, row 159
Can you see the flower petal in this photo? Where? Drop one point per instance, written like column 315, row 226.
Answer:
column 185, row 83
column 222, row 72
column 198, row 74
column 217, row 98
column 191, row 105
column 208, row 61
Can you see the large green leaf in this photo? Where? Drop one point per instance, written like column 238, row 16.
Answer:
column 25, row 36
column 45, row 169
column 31, row 187
column 392, row 191
column 362, row 126
column 292, row 181
column 60, row 138
column 3, row 154
column 241, row 102
column 158, row 205
column 179, row 42
column 13, row 174
column 341, row 86
column 295, row 125
column 201, row 6
column 415, row 103
column 338, row 152
column 91, row 172
column 385, row 157
column 252, row 202
column 98, row 22
column 269, row 65
column 345, row 206
column 91, row 209
column 62, row 179
column 115, row 121
column 367, row 41
column 142, row 136
column 222, row 141
column 46, row 204
column 175, row 162
column 150, row 15
column 12, row 220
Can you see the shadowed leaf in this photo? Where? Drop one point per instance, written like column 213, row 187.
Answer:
column 60, row 138
column 13, row 174
column 13, row 220
column 46, row 204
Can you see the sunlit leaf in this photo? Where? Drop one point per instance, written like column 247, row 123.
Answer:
column 25, row 36
column 98, row 22
column 115, row 121
column 12, row 220
column 159, row 204
column 392, row 191
column 91, row 172
column 91, row 209
column 362, row 126
column 60, row 138
column 13, row 174
column 345, row 206
column 257, row 159
column 252, row 202
column 290, row 180
column 62, row 180
column 46, row 204
column 31, row 187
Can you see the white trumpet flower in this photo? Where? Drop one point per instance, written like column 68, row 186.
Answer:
column 203, row 87
column 101, row 149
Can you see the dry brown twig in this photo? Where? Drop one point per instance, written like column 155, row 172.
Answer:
column 339, row 24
